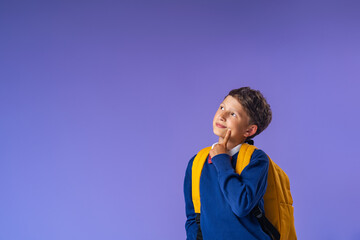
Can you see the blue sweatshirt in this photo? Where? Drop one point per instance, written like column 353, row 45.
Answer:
column 227, row 198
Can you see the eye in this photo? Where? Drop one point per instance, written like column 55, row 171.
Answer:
column 221, row 107
column 233, row 114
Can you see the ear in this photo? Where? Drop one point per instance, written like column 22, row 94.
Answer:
column 251, row 130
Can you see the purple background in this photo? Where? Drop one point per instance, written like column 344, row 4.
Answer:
column 103, row 103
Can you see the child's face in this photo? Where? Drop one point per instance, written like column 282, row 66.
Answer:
column 232, row 115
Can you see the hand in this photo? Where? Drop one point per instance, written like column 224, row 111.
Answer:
column 221, row 146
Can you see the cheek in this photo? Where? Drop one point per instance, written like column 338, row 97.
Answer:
column 235, row 127
column 214, row 120
column 216, row 115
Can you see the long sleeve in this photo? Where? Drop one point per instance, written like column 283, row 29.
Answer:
column 242, row 192
column 190, row 225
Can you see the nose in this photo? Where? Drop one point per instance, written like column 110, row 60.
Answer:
column 222, row 116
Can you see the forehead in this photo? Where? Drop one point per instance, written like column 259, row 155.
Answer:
column 233, row 103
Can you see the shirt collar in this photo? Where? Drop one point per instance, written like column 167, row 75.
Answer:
column 233, row 151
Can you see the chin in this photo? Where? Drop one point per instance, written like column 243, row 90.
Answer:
column 218, row 132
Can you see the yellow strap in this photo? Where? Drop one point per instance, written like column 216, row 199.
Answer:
column 197, row 167
column 244, row 156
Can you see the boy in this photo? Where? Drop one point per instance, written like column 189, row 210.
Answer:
column 228, row 198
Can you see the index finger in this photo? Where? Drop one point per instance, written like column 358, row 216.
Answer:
column 227, row 137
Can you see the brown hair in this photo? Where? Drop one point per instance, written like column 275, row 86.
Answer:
column 256, row 107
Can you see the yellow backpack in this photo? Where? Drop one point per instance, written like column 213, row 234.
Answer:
column 277, row 199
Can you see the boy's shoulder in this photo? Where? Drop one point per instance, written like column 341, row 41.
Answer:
column 259, row 154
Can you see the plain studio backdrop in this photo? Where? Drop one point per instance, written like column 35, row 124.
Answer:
column 103, row 103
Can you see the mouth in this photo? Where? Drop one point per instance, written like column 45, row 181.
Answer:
column 219, row 125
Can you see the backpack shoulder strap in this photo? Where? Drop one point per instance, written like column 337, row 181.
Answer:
column 244, row 156
column 197, row 167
